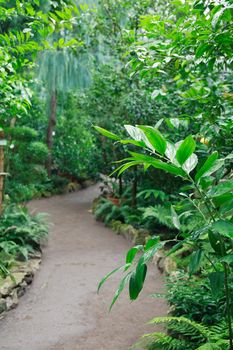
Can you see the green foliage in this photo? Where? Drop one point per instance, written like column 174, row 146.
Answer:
column 21, row 235
column 185, row 334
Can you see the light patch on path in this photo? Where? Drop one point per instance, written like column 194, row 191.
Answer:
column 61, row 310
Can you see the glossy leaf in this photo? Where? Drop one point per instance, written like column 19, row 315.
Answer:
column 155, row 138
column 107, row 133
column 207, row 165
column 185, row 150
column 223, row 227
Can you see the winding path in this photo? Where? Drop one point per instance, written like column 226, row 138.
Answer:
column 61, row 310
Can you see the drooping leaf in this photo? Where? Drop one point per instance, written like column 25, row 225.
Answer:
column 207, row 165
column 195, row 261
column 216, row 283
column 155, row 138
column 107, row 133
column 224, row 227
column 110, row 274
column 132, row 253
column 185, row 150
column 175, row 218
column 121, row 287
column 137, row 280
column 215, row 243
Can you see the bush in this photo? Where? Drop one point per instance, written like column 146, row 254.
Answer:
column 37, row 152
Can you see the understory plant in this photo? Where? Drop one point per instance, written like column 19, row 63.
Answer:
column 209, row 197
column 21, row 234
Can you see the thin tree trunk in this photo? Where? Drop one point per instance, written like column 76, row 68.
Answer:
column 1, row 170
column 120, row 186
column 50, row 130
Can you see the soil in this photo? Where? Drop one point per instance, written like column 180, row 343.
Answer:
column 61, row 310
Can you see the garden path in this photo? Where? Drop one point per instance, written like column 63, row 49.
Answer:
column 61, row 310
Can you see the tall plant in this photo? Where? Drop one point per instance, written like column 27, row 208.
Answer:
column 210, row 197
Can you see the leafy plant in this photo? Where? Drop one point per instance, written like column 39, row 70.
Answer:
column 214, row 238
column 185, row 334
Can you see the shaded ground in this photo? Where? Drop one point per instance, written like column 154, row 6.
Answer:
column 61, row 311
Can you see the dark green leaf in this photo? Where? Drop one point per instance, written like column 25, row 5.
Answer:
column 195, row 261
column 132, row 253
column 215, row 243
column 216, row 283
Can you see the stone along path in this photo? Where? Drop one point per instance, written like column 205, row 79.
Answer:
column 61, row 310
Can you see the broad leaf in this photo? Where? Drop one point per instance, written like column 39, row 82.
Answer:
column 155, row 138
column 223, row 227
column 195, row 261
column 207, row 165
column 107, row 133
column 185, row 150
column 137, row 280
column 216, row 283
column 158, row 164
column 134, row 132
column 190, row 163
column 132, row 253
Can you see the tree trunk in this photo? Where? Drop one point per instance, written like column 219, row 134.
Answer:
column 50, row 130
column 120, row 186
column 1, row 170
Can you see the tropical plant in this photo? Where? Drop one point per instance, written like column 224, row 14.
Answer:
column 210, row 196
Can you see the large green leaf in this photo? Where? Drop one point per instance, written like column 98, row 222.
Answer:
column 155, row 138
column 132, row 253
column 137, row 280
column 107, row 133
column 210, row 161
column 224, row 227
column 134, row 132
column 158, row 164
column 185, row 150
column 216, row 283
column 195, row 261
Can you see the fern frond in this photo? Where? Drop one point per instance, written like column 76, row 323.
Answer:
column 188, row 325
column 157, row 341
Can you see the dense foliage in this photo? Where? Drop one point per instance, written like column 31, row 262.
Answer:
column 156, row 79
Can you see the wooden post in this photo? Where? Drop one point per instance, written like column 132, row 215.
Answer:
column 2, row 144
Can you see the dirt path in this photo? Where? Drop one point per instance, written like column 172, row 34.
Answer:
column 61, row 311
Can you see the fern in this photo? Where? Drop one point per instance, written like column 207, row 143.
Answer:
column 184, row 334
